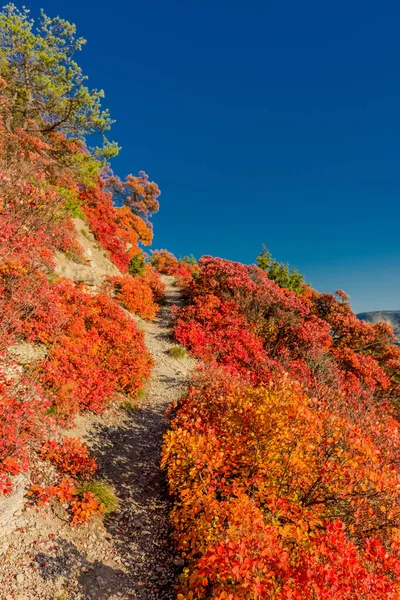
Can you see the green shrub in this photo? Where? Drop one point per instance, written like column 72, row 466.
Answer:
column 137, row 265
column 130, row 406
column 133, row 406
column 177, row 352
column 190, row 260
column 72, row 205
column 280, row 272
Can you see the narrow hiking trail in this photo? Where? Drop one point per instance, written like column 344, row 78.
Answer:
column 130, row 555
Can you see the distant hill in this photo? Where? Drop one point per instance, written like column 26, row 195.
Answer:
column 392, row 317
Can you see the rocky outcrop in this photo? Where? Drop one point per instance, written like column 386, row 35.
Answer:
column 92, row 267
column 24, row 353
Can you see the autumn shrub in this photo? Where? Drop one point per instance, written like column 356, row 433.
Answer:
column 82, row 505
column 155, row 283
column 215, row 331
column 64, row 491
column 316, row 337
column 23, row 421
column 71, row 457
column 95, row 349
column 270, row 485
column 121, row 228
column 134, row 294
column 137, row 194
column 283, row 456
column 164, row 261
column 74, row 489
column 34, row 222
column 184, row 274
column 101, row 214
column 183, row 270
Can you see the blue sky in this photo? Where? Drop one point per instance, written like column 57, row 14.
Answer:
column 261, row 121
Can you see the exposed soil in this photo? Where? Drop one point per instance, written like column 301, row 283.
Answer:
column 130, row 554
column 90, row 268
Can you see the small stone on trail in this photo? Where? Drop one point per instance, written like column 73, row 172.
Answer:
column 20, row 578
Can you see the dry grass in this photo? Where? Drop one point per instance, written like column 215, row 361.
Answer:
column 177, row 352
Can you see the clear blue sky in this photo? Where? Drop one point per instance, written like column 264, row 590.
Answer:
column 261, row 121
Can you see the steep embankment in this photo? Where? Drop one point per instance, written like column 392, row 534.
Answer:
column 95, row 264
column 130, row 555
column 283, row 458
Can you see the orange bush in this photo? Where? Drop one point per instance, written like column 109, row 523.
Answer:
column 85, row 507
column 271, row 485
column 163, row 261
column 71, row 457
column 135, row 294
column 155, row 283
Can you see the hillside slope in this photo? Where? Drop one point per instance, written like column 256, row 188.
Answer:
column 391, row 317
column 283, row 457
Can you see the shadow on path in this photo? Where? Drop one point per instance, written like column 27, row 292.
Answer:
column 96, row 580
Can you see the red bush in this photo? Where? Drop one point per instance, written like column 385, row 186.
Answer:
column 71, row 457
column 289, row 489
column 118, row 229
column 22, row 427
column 316, row 337
column 102, row 217
column 95, row 349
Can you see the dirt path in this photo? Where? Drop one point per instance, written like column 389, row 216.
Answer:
column 130, row 555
